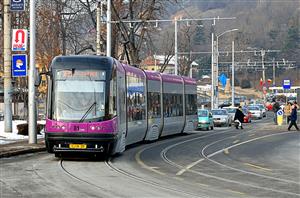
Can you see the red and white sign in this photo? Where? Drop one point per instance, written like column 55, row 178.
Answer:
column 19, row 40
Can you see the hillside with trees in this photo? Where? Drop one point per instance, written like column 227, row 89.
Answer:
column 69, row 27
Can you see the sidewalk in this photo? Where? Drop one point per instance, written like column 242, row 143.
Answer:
column 21, row 147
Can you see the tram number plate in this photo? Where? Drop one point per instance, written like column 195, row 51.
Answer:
column 77, row 146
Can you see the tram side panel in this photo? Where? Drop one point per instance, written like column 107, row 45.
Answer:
column 190, row 95
column 172, row 108
column 136, row 105
column 154, row 109
column 121, row 109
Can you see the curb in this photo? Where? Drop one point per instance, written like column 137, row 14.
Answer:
column 21, row 151
column 21, row 147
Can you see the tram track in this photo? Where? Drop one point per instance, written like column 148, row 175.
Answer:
column 136, row 178
column 77, row 178
column 152, row 183
column 163, row 155
column 84, row 181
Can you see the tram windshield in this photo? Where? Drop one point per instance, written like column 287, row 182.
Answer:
column 78, row 95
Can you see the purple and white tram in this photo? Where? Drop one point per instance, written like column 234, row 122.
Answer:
column 96, row 104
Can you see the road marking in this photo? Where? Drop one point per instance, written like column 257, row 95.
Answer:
column 200, row 184
column 226, row 151
column 236, row 141
column 189, row 166
column 178, row 178
column 258, row 167
column 251, row 135
column 141, row 163
column 194, row 163
column 154, row 167
column 236, row 192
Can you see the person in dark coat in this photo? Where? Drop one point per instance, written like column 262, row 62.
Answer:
column 293, row 117
column 239, row 117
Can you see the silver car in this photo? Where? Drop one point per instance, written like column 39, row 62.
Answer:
column 231, row 111
column 221, row 117
column 263, row 109
column 255, row 111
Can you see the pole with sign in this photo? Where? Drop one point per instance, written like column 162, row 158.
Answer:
column 32, row 131
column 7, row 67
column 19, row 40
column 19, row 65
column 17, row 5
column 286, row 84
column 279, row 117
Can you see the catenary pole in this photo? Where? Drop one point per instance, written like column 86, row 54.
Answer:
column 98, row 40
column 176, row 47
column 108, row 26
column 7, row 69
column 263, row 73
column 232, row 78
column 212, row 72
column 274, row 72
column 32, row 70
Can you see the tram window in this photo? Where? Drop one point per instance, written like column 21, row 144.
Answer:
column 154, row 105
column 191, row 104
column 135, row 98
column 173, row 105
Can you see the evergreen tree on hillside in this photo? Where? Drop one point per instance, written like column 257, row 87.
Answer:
column 292, row 40
column 199, row 37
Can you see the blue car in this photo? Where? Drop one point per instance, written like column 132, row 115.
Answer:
column 205, row 119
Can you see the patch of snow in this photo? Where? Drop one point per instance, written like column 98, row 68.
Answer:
column 6, row 138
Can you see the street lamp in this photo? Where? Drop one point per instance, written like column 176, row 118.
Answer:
column 217, row 65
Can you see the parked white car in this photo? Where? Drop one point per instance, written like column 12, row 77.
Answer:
column 255, row 111
column 221, row 117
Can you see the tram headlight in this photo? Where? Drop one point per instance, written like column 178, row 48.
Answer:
column 63, row 127
column 99, row 127
column 93, row 128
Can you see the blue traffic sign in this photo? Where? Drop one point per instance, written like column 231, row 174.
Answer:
column 280, row 112
column 19, row 65
column 223, row 79
column 17, row 5
column 286, row 84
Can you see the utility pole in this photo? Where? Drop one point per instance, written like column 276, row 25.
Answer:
column 212, row 73
column 263, row 52
column 31, row 78
column 108, row 26
column 274, row 74
column 232, row 78
column 98, row 41
column 176, row 48
column 7, row 69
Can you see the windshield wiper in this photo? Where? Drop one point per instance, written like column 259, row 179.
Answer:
column 87, row 112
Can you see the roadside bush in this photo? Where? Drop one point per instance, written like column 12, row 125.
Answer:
column 23, row 128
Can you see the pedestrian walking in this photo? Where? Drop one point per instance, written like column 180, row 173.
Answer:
column 287, row 111
column 294, row 117
column 239, row 118
column 276, row 108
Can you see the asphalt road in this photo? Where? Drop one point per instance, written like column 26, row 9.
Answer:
column 259, row 161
